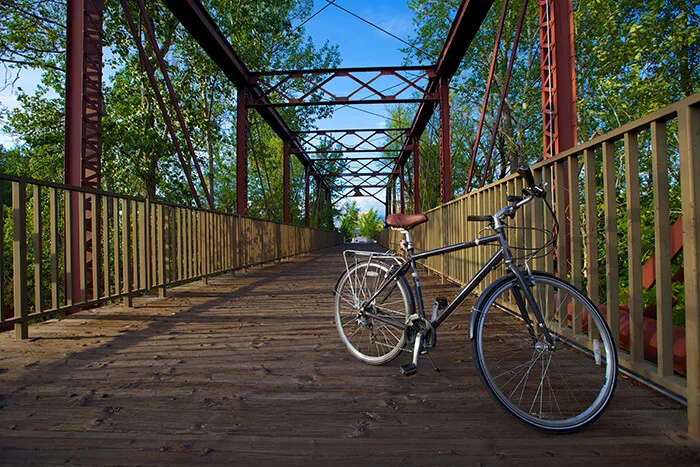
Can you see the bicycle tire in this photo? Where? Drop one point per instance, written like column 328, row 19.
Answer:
column 369, row 340
column 573, row 383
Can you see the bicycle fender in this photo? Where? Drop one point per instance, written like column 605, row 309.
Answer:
column 477, row 310
column 335, row 287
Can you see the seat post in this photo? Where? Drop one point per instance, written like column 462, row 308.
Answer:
column 409, row 242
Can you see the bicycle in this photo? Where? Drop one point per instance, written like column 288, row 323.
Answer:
column 541, row 347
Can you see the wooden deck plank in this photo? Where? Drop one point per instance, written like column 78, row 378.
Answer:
column 249, row 369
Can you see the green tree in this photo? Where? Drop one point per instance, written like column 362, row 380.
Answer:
column 350, row 219
column 370, row 224
column 138, row 156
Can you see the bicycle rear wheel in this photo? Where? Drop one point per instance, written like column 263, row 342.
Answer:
column 559, row 389
column 373, row 334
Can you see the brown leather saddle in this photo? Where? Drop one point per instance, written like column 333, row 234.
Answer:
column 405, row 221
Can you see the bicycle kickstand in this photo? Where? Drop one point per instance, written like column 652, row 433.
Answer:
column 410, row 369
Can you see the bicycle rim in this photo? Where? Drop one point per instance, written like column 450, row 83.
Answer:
column 367, row 338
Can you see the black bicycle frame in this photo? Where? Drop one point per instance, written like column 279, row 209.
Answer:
column 493, row 262
column 503, row 253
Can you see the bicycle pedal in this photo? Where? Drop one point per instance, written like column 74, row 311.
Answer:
column 409, row 369
column 439, row 304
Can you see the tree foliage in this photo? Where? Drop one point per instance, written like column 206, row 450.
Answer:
column 349, row 220
column 370, row 224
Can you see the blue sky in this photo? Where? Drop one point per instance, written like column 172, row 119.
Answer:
column 360, row 45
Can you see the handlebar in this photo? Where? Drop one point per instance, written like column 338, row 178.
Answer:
column 532, row 190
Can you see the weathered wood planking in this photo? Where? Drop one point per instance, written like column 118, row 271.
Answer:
column 250, row 370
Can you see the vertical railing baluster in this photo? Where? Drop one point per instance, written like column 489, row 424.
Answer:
column 611, row 267
column 19, row 258
column 592, row 282
column 115, row 245
column 82, row 250
column 105, row 247
column 143, row 216
column 126, row 251
column 662, row 250
column 152, row 246
column 634, row 248
column 68, row 254
column 36, row 194
column 575, row 244
column 94, row 223
column 160, row 229
column 53, row 234
column 689, row 142
column 134, row 244
column 560, row 209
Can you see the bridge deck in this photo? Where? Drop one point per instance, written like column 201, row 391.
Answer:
column 249, row 369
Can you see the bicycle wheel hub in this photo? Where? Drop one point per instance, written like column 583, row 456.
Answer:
column 541, row 346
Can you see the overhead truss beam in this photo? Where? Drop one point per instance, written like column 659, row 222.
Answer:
column 318, row 86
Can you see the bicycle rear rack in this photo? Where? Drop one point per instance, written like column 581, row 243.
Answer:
column 354, row 257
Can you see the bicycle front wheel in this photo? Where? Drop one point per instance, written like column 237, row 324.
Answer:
column 556, row 388
column 374, row 332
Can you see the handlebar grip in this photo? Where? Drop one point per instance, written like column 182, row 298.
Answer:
column 526, row 173
column 478, row 218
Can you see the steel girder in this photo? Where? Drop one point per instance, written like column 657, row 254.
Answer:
column 316, row 87
column 353, row 140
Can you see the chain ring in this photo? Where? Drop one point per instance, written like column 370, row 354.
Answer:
column 415, row 325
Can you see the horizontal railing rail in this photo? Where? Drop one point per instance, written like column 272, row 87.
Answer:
column 125, row 246
column 616, row 198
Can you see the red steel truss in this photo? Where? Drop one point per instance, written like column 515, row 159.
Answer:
column 84, row 93
column 427, row 86
column 558, row 70
column 83, row 153
column 353, row 140
column 316, row 87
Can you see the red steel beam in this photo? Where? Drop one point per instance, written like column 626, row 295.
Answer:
column 387, row 70
column 150, row 33
column 84, row 94
column 504, row 90
column 357, row 174
column 285, row 182
column 445, row 144
column 402, row 188
column 342, row 151
column 353, row 130
column 318, row 82
column 242, row 129
column 557, row 65
column 159, row 98
column 342, row 101
column 83, row 127
column 487, row 93
column 306, row 196
column 416, row 175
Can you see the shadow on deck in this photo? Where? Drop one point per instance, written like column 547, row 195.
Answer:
column 249, row 369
